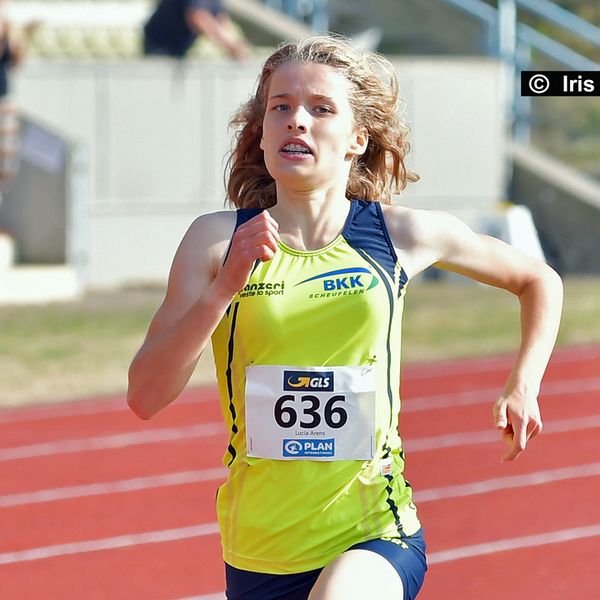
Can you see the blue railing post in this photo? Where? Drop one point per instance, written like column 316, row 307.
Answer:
column 507, row 49
column 522, row 127
column 319, row 21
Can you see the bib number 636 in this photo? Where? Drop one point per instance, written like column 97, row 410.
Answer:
column 286, row 411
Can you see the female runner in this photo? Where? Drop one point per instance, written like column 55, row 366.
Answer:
column 301, row 292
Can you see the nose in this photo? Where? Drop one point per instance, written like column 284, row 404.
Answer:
column 298, row 119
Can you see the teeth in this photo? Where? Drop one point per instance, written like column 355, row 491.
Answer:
column 295, row 148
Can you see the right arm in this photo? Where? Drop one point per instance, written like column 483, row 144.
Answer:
column 198, row 294
column 219, row 29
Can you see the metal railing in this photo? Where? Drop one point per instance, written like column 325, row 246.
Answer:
column 315, row 13
column 514, row 43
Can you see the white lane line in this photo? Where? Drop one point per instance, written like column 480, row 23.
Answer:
column 409, row 404
column 219, row 473
column 119, row 440
column 527, row 541
column 219, row 596
column 505, row 483
column 198, row 394
column 210, row 429
column 74, row 408
column 487, row 396
column 122, row 541
column 485, row 437
column 492, row 363
column 206, row 529
column 112, row 487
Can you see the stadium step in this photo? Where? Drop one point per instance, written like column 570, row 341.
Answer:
column 38, row 284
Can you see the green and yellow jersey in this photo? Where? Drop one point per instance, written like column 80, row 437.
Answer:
column 308, row 367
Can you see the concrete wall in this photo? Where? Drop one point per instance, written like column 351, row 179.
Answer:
column 156, row 137
column 565, row 207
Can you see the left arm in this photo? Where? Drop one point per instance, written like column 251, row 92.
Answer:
column 446, row 242
column 539, row 290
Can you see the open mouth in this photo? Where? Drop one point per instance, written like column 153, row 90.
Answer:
column 296, row 150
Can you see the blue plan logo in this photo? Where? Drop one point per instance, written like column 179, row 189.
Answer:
column 299, row 448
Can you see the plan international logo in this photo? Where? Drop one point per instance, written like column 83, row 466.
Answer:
column 297, row 448
column 342, row 282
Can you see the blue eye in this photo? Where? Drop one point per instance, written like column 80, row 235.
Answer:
column 281, row 107
column 323, row 110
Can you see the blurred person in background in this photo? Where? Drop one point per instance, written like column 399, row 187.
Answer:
column 301, row 291
column 12, row 50
column 174, row 26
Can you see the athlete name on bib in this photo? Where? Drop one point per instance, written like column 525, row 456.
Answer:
column 310, row 413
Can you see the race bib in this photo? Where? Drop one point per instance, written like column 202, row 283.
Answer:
column 310, row 413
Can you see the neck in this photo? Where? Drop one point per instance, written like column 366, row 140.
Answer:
column 310, row 220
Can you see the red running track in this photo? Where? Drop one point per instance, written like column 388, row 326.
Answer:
column 95, row 503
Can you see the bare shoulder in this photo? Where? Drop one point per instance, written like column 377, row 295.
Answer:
column 413, row 226
column 420, row 236
column 197, row 261
column 207, row 239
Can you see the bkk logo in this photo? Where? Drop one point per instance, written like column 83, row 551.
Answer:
column 317, row 381
column 313, row 448
column 342, row 282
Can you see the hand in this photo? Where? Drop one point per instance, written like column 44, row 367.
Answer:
column 240, row 51
column 254, row 240
column 518, row 417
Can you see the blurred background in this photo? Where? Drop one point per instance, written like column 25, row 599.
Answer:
column 109, row 152
column 113, row 138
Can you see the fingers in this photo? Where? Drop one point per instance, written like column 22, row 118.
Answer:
column 257, row 238
column 517, row 426
column 518, row 443
column 500, row 416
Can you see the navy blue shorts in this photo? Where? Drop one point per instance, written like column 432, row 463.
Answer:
column 408, row 559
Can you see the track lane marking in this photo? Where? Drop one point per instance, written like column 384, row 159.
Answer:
column 409, row 404
column 413, row 371
column 112, row 487
column 493, row 364
column 485, row 396
column 219, row 473
column 505, row 483
column 122, row 541
column 119, row 440
column 109, row 404
column 153, row 436
column 470, row 438
column 527, row 541
column 169, row 535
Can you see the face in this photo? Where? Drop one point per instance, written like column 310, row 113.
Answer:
column 309, row 137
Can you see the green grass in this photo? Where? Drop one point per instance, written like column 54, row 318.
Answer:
column 62, row 351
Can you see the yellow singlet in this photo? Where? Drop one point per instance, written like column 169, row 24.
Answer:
column 308, row 366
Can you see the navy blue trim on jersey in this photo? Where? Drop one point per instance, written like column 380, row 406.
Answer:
column 241, row 216
column 245, row 214
column 365, row 229
column 403, row 280
column 386, row 449
column 230, row 349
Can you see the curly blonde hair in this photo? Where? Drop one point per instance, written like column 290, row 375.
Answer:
column 376, row 174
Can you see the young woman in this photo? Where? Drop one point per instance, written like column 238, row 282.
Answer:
column 301, row 291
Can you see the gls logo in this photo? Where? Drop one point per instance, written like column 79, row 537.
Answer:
column 345, row 279
column 318, row 381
